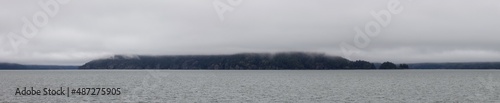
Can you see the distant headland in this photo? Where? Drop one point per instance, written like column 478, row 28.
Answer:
column 242, row 61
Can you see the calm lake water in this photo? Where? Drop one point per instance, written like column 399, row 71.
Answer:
column 259, row 85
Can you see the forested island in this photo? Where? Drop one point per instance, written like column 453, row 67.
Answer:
column 242, row 61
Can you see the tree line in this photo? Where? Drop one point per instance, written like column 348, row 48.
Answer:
column 243, row 61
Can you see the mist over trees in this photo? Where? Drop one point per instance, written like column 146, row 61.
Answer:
column 243, row 61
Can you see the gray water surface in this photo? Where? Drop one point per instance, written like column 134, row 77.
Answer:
column 260, row 85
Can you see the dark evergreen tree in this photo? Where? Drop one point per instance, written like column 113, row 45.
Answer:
column 403, row 66
column 388, row 65
column 360, row 64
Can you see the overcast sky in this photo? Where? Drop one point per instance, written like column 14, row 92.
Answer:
column 82, row 30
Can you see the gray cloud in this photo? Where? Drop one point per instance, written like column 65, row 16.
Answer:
column 426, row 31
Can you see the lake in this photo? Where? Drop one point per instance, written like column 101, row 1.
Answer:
column 257, row 85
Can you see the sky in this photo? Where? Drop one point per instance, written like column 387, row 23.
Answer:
column 73, row 32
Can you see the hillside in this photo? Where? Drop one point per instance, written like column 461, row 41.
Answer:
column 13, row 66
column 471, row 65
column 254, row 61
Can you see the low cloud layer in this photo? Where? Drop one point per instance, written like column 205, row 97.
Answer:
column 82, row 30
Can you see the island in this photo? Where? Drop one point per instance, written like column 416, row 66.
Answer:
column 241, row 61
